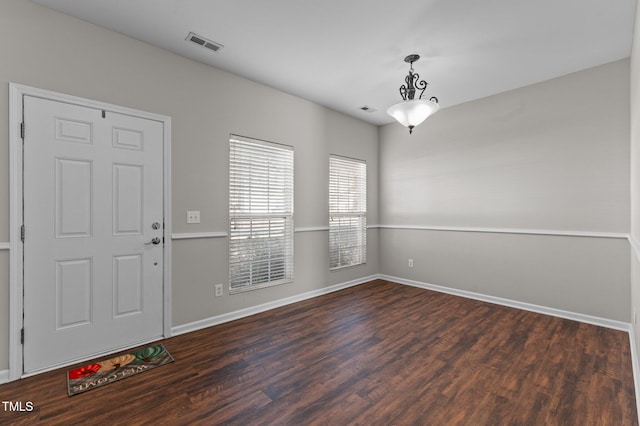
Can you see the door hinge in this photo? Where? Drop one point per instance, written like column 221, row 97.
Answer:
column 22, row 336
column 22, row 130
column 22, row 233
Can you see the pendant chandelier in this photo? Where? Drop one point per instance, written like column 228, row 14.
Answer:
column 411, row 112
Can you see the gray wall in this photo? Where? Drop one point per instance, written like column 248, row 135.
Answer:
column 635, row 176
column 52, row 51
column 550, row 156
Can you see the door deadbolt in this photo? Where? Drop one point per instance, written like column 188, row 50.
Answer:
column 155, row 225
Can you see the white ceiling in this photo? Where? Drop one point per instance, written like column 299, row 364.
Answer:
column 348, row 53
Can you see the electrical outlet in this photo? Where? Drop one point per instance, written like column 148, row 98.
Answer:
column 410, row 263
column 218, row 290
column 193, row 216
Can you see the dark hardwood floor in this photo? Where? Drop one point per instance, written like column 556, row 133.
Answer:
column 379, row 353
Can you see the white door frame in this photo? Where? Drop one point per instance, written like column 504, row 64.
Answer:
column 16, row 248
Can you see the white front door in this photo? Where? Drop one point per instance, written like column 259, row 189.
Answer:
column 93, row 215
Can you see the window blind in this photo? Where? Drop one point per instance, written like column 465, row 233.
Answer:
column 260, row 214
column 347, row 212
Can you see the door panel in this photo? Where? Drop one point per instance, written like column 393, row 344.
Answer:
column 73, row 193
column 128, row 199
column 74, row 285
column 128, row 284
column 92, row 190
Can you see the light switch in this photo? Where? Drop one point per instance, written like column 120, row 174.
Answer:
column 193, row 216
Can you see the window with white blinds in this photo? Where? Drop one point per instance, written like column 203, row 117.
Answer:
column 347, row 212
column 260, row 214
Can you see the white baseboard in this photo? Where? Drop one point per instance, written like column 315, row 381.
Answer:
column 231, row 316
column 219, row 319
column 603, row 322
column 4, row 376
column 636, row 367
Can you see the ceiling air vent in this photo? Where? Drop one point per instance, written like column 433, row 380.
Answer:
column 206, row 43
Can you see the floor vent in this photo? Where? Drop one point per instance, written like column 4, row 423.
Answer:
column 206, row 43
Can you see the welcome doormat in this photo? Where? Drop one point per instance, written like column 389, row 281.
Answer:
column 102, row 373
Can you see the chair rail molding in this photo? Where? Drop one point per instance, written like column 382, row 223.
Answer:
column 197, row 235
column 552, row 232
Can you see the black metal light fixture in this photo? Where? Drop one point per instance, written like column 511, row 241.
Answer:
column 411, row 112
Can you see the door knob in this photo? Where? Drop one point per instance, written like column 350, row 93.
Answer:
column 154, row 241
